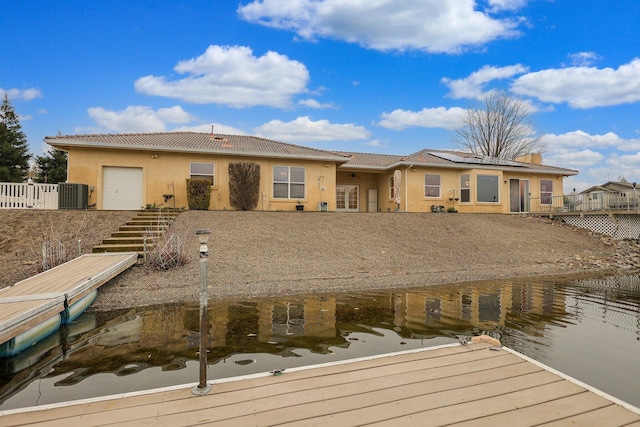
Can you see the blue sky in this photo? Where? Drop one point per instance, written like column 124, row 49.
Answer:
column 381, row 76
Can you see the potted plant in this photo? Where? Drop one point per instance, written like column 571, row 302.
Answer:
column 452, row 210
column 299, row 206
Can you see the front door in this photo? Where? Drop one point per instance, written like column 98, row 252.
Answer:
column 518, row 195
column 372, row 200
column 347, row 198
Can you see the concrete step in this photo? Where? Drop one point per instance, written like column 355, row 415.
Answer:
column 156, row 214
column 143, row 228
column 148, row 222
column 140, row 234
column 135, row 240
column 120, row 248
column 130, row 237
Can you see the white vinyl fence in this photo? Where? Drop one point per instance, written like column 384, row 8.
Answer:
column 28, row 196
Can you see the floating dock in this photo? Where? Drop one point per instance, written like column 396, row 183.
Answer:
column 475, row 385
column 35, row 307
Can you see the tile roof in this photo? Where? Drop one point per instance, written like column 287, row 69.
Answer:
column 197, row 143
column 445, row 159
column 369, row 160
column 243, row 145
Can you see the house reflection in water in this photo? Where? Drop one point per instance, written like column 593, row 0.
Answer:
column 167, row 336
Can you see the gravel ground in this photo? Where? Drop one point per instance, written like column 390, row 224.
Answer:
column 277, row 253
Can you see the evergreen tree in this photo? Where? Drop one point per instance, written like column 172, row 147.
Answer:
column 52, row 167
column 14, row 150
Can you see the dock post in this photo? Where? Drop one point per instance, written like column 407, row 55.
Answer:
column 202, row 387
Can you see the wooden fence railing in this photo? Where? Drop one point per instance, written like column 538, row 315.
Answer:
column 28, row 196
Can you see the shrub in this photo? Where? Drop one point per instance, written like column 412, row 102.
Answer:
column 198, row 194
column 170, row 250
column 244, row 185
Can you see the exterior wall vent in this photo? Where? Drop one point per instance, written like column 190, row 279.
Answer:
column 73, row 196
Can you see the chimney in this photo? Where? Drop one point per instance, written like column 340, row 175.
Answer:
column 532, row 158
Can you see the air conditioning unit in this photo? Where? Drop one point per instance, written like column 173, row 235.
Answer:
column 73, row 196
column 323, row 206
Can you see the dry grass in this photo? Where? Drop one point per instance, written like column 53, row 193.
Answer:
column 24, row 231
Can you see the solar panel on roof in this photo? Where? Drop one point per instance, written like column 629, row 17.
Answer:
column 475, row 160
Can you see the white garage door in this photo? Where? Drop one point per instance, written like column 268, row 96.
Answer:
column 122, row 189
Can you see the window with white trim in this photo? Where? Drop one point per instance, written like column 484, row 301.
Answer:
column 431, row 185
column 465, row 188
column 392, row 188
column 289, row 182
column 488, row 190
column 546, row 191
column 202, row 171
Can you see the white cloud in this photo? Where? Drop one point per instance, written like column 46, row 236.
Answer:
column 574, row 159
column 472, row 87
column 583, row 87
column 312, row 103
column 583, row 59
column 440, row 117
column 580, row 139
column 25, row 94
column 596, row 157
column 138, row 118
column 303, row 129
column 626, row 163
column 429, row 25
column 498, row 5
column 376, row 143
column 232, row 76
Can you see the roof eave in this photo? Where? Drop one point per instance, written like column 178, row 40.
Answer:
column 466, row 166
column 68, row 143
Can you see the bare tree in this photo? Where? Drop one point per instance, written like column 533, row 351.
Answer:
column 500, row 126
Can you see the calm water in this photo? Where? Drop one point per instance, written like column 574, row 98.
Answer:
column 589, row 329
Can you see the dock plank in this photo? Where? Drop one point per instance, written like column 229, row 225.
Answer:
column 575, row 409
column 429, row 365
column 608, row 416
column 65, row 278
column 447, row 385
column 232, row 405
column 40, row 297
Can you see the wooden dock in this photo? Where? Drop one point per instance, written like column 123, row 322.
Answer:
column 36, row 299
column 473, row 385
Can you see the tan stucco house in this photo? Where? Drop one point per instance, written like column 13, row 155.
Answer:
column 131, row 171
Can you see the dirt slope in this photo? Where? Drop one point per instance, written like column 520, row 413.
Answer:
column 273, row 253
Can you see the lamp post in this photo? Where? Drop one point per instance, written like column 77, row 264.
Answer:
column 635, row 201
column 202, row 387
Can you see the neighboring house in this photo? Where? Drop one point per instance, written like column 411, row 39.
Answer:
column 130, row 171
column 610, row 195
